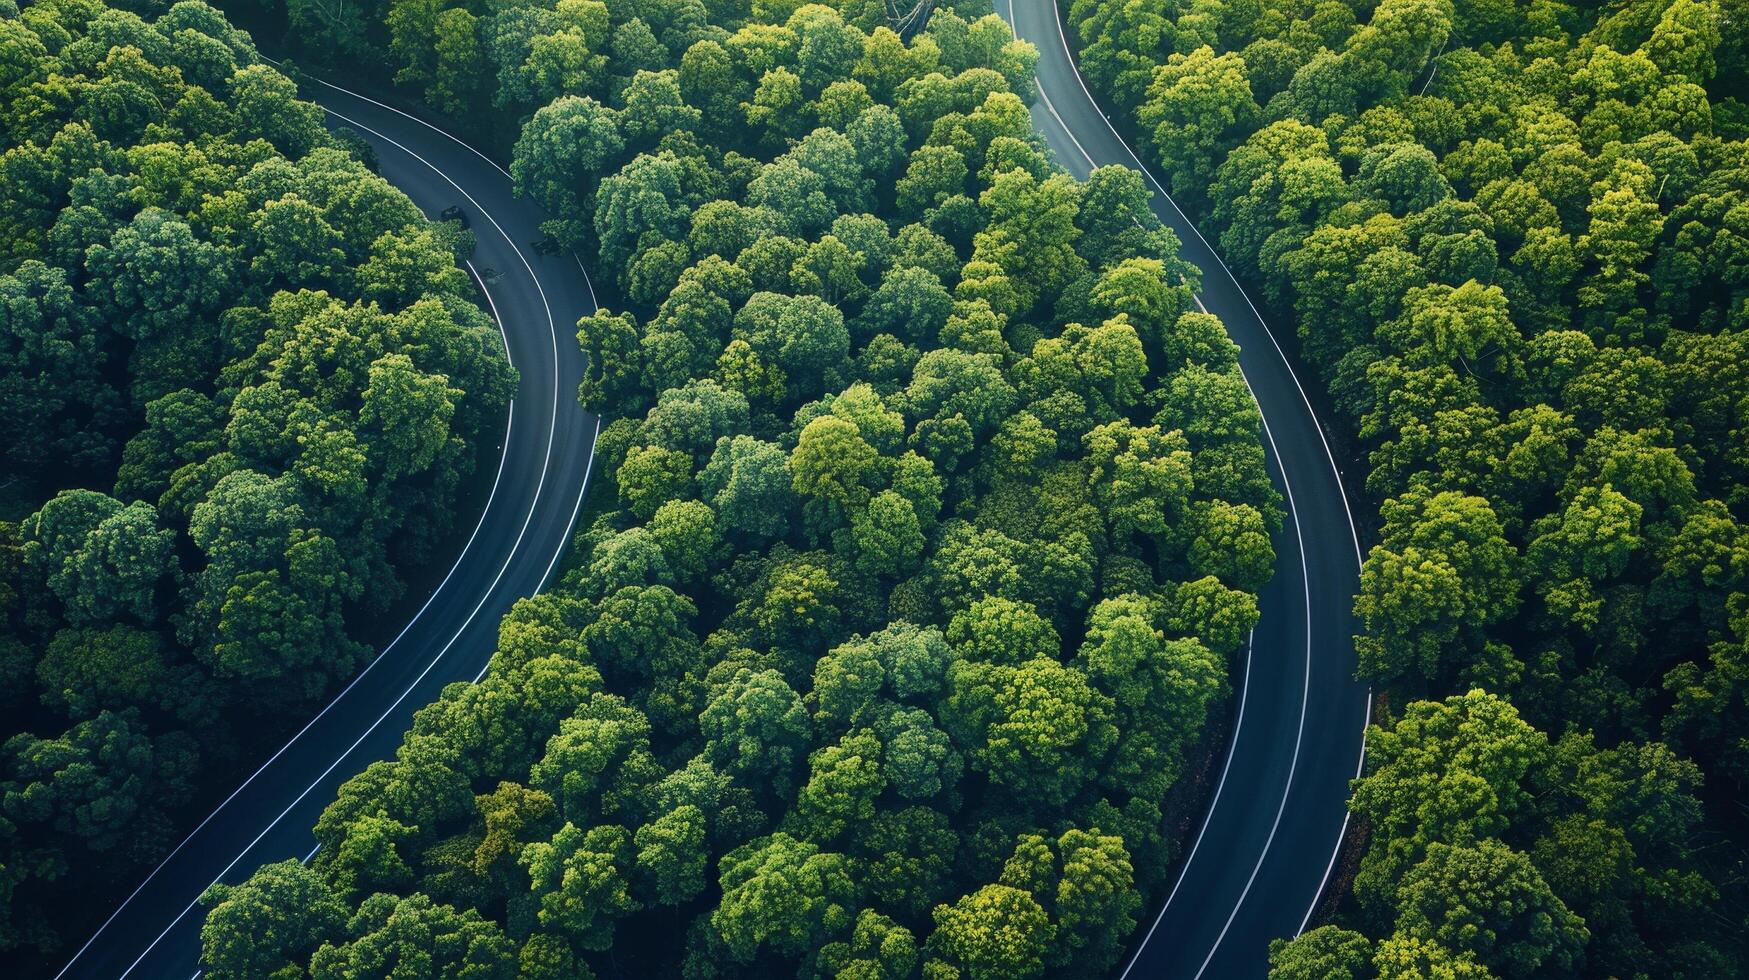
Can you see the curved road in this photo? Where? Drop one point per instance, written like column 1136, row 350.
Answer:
column 1260, row 859
column 544, row 471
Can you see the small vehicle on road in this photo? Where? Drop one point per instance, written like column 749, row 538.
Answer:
column 454, row 213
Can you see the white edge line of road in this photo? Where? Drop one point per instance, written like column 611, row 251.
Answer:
column 464, row 144
column 583, row 491
column 1354, row 533
column 422, row 609
column 1245, row 686
column 1299, row 731
column 527, row 519
column 589, row 466
column 587, row 469
column 1238, row 725
column 480, row 281
column 484, row 511
column 589, row 284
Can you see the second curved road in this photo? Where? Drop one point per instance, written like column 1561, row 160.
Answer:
column 1262, row 855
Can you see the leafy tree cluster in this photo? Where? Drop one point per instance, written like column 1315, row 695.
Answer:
column 929, row 520
column 256, row 371
column 1512, row 238
column 1497, row 851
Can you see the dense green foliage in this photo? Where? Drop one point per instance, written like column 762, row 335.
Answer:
column 926, row 526
column 1515, row 240
column 255, row 370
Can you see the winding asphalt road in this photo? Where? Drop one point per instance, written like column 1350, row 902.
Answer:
column 548, row 445
column 1260, row 860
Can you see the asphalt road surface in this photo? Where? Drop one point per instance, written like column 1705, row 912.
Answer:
column 548, row 445
column 1264, row 851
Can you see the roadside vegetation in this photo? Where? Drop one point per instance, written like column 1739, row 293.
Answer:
column 927, row 523
column 242, row 380
column 1514, row 238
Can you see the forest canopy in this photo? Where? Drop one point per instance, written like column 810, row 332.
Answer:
column 932, row 521
column 1514, row 238
column 242, row 381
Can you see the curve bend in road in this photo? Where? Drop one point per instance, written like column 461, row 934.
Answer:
column 548, row 447
column 1265, row 849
